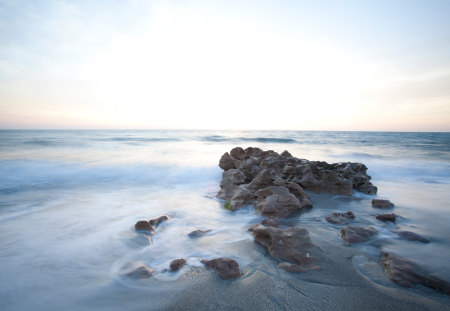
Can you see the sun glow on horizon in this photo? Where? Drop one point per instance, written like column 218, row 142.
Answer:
column 194, row 66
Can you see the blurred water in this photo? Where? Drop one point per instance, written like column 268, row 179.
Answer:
column 69, row 201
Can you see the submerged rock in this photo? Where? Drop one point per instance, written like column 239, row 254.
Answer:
column 412, row 236
column 228, row 268
column 340, row 218
column 271, row 222
column 354, row 234
column 149, row 226
column 141, row 272
column 292, row 245
column 405, row 273
column 290, row 267
column 386, row 217
column 198, row 233
column 177, row 264
column 382, row 203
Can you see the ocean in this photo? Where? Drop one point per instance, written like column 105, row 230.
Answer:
column 69, row 200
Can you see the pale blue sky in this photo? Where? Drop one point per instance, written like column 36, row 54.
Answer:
column 319, row 65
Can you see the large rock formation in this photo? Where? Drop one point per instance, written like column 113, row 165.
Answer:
column 228, row 268
column 291, row 245
column 405, row 273
column 248, row 171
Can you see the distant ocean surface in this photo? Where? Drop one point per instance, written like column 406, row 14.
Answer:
column 69, row 201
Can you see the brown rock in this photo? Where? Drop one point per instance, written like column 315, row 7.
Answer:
column 291, row 244
column 237, row 153
column 276, row 201
column 198, row 233
column 354, row 234
column 141, row 272
column 227, row 162
column 405, row 273
column 155, row 222
column 367, row 188
column 340, row 218
column 228, row 268
column 382, row 203
column 177, row 264
column 386, row 217
column 412, row 236
column 144, row 225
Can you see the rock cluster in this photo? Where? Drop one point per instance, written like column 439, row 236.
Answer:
column 275, row 183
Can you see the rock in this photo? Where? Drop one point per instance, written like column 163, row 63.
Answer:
column 286, row 154
column 354, row 234
column 198, row 233
column 228, row 268
column 386, row 217
column 367, row 188
column 144, row 225
column 155, row 222
column 149, row 227
column 177, row 264
column 382, row 203
column 141, row 272
column 227, row 162
column 237, row 153
column 271, row 222
column 276, row 201
column 405, row 273
column 412, row 236
column 340, row 218
column 289, row 267
column 242, row 196
column 291, row 244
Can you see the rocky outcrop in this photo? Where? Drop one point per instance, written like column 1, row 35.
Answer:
column 354, row 234
column 382, row 203
column 198, row 233
column 340, row 218
column 386, row 217
column 405, row 273
column 228, row 268
column 412, row 236
column 177, row 264
column 247, row 171
column 291, row 245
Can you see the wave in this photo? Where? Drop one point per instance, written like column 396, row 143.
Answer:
column 138, row 139
column 218, row 138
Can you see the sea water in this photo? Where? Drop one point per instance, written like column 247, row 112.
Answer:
column 69, row 201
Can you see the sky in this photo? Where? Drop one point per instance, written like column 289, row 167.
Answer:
column 282, row 65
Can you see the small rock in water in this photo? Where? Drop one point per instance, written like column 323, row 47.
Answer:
column 382, row 203
column 412, row 236
column 289, row 267
column 155, row 222
column 386, row 217
column 405, row 273
column 340, row 218
column 144, row 225
column 198, row 233
column 177, row 264
column 228, row 268
column 354, row 234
